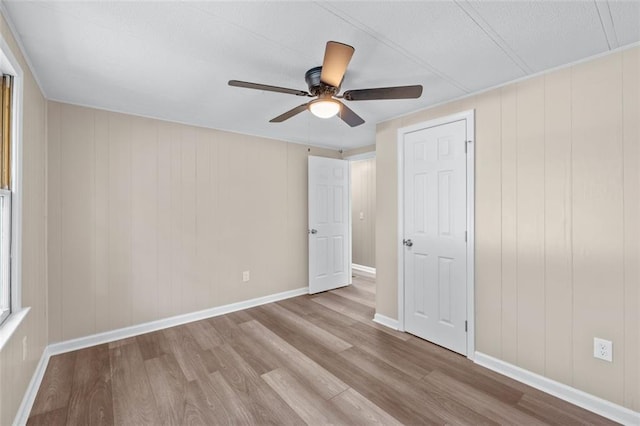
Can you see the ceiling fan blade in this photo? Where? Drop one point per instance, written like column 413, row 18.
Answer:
column 287, row 115
column 257, row 86
column 336, row 58
column 348, row 116
column 400, row 92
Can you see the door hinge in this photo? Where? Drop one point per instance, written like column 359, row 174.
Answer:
column 466, row 328
column 465, row 236
column 465, row 147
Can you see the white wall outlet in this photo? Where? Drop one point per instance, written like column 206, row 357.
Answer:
column 246, row 276
column 24, row 348
column 602, row 349
column 361, row 215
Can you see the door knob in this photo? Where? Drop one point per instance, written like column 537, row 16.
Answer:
column 407, row 243
column 313, row 231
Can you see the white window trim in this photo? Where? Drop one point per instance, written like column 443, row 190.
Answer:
column 10, row 65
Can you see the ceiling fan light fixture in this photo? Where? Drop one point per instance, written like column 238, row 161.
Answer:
column 324, row 107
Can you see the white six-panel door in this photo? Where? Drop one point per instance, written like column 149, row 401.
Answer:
column 329, row 231
column 435, row 209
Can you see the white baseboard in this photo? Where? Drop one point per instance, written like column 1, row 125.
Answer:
column 575, row 396
column 134, row 330
column 367, row 271
column 32, row 390
column 386, row 321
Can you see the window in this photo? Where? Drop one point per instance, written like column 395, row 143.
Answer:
column 5, row 197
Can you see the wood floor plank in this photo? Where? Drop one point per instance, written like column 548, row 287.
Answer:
column 226, row 327
column 254, row 354
column 153, row 345
column 300, row 325
column 91, row 401
column 203, row 410
column 55, row 390
column 357, row 295
column 360, row 411
column 238, row 412
column 323, row 382
column 415, row 391
column 205, row 334
column 169, row 387
column 265, row 406
column 50, row 418
column 187, row 352
column 354, row 310
column 310, row 406
column 306, row 308
column 557, row 416
column 375, row 390
column 133, row 400
column 478, row 401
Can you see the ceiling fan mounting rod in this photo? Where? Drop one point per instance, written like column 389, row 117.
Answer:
column 316, row 86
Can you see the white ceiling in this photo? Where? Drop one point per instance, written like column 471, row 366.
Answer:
column 172, row 60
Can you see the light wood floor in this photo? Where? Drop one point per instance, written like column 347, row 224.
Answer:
column 312, row 359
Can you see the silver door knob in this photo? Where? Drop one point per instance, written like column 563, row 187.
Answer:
column 407, row 243
column 313, row 231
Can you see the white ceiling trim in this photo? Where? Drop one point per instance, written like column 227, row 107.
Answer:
column 518, row 80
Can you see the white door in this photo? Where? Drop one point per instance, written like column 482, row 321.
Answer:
column 329, row 245
column 435, row 255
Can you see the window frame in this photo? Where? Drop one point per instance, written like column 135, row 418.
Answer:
column 5, row 247
column 10, row 65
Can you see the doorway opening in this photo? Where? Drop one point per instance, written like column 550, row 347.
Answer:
column 363, row 214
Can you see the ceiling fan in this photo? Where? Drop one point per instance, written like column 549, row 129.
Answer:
column 324, row 85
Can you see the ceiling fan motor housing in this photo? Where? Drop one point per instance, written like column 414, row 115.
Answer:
column 317, row 87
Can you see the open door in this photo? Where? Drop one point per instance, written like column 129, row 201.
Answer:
column 329, row 224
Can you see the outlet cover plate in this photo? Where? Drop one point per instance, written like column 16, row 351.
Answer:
column 603, row 349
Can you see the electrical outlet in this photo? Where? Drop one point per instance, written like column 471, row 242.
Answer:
column 24, row 348
column 246, row 276
column 602, row 349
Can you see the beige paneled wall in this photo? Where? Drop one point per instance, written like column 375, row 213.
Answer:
column 363, row 212
column 150, row 219
column 15, row 373
column 557, row 222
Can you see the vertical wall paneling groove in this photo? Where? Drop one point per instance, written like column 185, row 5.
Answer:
column 557, row 232
column 144, row 223
column 488, row 240
column 76, row 136
column 101, row 224
column 557, row 222
column 530, row 224
column 631, row 149
column 54, row 208
column 164, row 206
column 188, row 196
column 120, row 289
column 509, row 98
column 176, row 242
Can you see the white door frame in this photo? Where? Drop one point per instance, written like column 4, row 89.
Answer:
column 469, row 116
